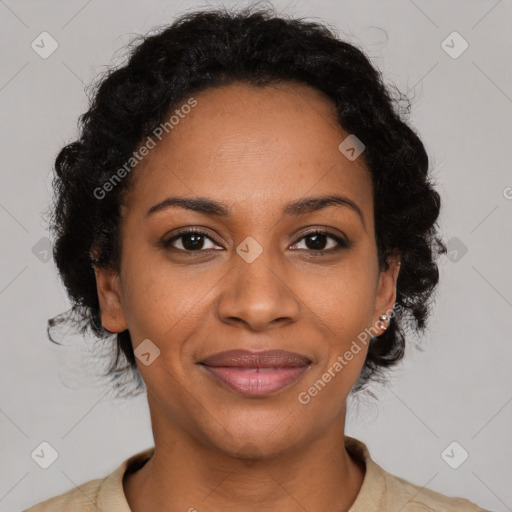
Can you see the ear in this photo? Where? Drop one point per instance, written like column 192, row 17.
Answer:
column 385, row 295
column 110, row 299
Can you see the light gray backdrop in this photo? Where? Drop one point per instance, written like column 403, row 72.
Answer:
column 457, row 390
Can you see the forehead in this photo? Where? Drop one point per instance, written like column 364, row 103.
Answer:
column 253, row 147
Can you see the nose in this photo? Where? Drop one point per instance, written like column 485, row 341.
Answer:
column 258, row 295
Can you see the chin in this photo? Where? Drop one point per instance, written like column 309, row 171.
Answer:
column 254, row 436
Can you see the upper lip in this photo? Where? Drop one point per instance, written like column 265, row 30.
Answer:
column 248, row 359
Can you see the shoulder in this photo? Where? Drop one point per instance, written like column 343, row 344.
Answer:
column 83, row 497
column 105, row 494
column 384, row 492
column 414, row 498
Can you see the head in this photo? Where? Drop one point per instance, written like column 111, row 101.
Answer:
column 298, row 242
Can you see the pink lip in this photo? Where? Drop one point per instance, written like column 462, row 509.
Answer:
column 256, row 374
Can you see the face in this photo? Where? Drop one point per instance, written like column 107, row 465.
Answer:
column 256, row 274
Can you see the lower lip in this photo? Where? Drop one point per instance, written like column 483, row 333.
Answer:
column 256, row 382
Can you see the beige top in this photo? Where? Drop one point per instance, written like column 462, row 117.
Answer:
column 380, row 492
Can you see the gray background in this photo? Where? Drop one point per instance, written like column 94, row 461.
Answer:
column 457, row 389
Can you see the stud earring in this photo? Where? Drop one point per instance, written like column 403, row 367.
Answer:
column 383, row 318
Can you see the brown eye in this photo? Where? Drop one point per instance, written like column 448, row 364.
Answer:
column 318, row 242
column 190, row 241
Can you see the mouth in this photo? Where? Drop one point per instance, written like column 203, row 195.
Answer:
column 256, row 374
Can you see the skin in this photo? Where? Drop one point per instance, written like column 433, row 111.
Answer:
column 253, row 149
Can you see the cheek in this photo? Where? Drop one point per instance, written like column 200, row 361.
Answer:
column 344, row 310
column 345, row 299
column 158, row 300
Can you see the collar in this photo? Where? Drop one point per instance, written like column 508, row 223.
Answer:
column 111, row 494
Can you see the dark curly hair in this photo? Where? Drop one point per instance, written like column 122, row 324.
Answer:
column 214, row 47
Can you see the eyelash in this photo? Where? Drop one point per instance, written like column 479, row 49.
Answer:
column 343, row 244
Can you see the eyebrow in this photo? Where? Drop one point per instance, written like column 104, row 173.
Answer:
column 295, row 208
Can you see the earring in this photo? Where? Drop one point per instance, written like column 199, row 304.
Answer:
column 383, row 318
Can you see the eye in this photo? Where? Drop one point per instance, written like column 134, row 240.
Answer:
column 317, row 242
column 190, row 240
column 195, row 240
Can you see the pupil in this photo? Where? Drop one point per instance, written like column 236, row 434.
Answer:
column 194, row 245
column 316, row 244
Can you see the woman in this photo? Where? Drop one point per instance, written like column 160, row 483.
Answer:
column 248, row 217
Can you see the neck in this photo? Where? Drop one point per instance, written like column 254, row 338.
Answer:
column 185, row 475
